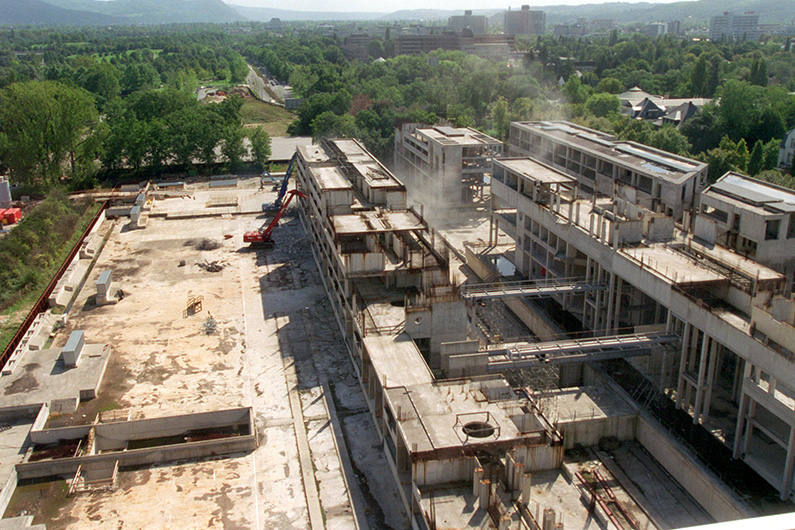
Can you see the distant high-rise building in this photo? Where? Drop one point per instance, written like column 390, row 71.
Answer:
column 478, row 24
column 734, row 26
column 525, row 22
column 656, row 29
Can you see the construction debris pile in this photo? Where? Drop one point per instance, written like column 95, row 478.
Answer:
column 211, row 266
column 207, row 244
column 210, row 326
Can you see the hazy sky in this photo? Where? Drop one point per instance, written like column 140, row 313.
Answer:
column 388, row 7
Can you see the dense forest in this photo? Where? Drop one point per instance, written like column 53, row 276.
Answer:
column 750, row 84
column 79, row 105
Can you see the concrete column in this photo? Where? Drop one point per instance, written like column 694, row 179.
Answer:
column 509, row 467
column 610, row 301
column 680, row 388
column 477, row 477
column 713, row 361
column 548, row 522
column 749, row 424
column 483, row 494
column 789, row 463
column 518, row 473
column 702, row 374
column 617, row 313
column 527, row 488
column 738, row 431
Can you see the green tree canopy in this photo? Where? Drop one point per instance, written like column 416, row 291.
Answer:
column 45, row 127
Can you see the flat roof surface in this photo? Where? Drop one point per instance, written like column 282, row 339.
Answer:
column 313, row 153
column 464, row 136
column 374, row 222
column 352, row 150
column 571, row 404
column 283, row 147
column 672, row 265
column 532, row 170
column 330, row 178
column 754, row 192
column 397, row 359
column 433, row 415
column 275, row 345
column 376, row 175
column 639, row 157
column 41, row 376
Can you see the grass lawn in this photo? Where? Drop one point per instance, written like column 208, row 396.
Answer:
column 273, row 119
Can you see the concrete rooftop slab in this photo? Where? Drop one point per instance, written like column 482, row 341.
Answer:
column 43, row 378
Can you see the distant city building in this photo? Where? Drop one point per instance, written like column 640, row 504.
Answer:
column 525, row 22
column 492, row 47
column 477, row 24
column 570, row 30
column 417, row 44
column 657, row 29
column 356, row 46
column 731, row 26
column 603, row 23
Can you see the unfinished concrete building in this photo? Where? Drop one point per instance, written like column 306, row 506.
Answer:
column 653, row 179
column 620, row 266
column 754, row 218
column 447, row 162
column 389, row 281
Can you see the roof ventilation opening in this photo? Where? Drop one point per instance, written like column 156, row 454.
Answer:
column 478, row 429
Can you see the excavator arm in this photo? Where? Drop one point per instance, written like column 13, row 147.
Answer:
column 263, row 235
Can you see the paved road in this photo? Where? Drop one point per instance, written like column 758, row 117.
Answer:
column 257, row 85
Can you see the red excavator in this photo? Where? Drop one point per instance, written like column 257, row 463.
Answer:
column 262, row 237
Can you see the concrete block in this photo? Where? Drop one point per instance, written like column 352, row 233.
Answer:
column 64, row 406
column 74, row 348
column 104, row 282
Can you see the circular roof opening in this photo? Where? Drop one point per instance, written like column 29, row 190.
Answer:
column 478, row 429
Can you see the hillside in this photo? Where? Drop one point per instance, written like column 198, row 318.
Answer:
column 770, row 11
column 156, row 11
column 265, row 14
column 30, row 12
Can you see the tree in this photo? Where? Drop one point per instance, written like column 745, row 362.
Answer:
column 260, row 147
column 613, row 38
column 669, row 139
column 757, row 159
column 375, row 49
column 713, row 76
column 45, row 127
column 737, row 107
column 611, row 85
column 704, row 130
column 602, row 104
column 698, row 78
column 102, row 80
column 500, row 118
column 328, row 124
column 574, row 91
column 758, row 74
column 139, row 76
column 232, row 146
